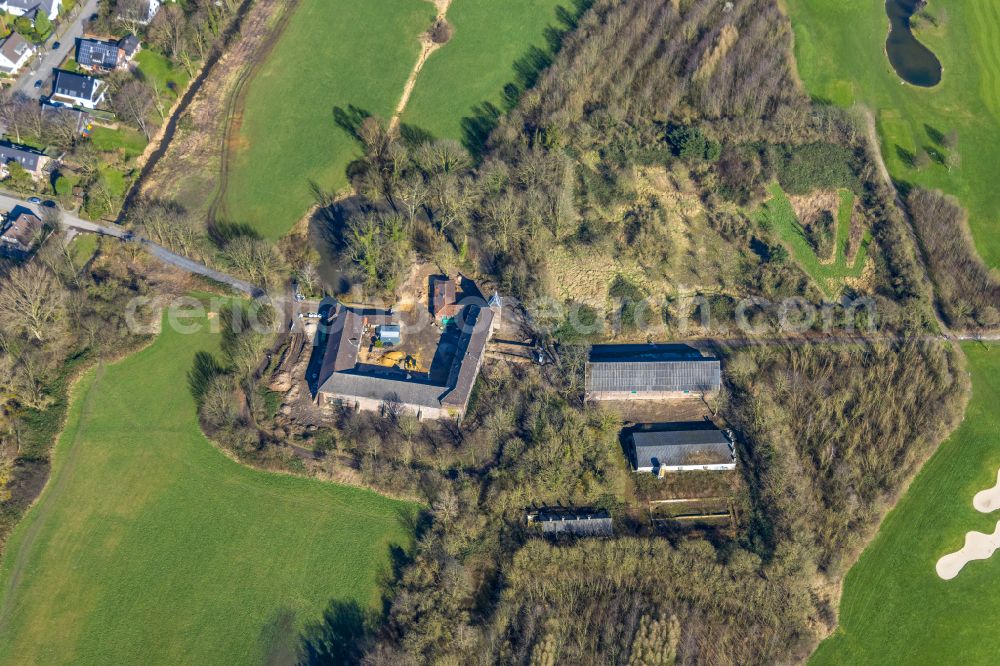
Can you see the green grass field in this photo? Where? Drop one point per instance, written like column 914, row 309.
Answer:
column 839, row 48
column 287, row 137
column 130, row 142
column 149, row 545
column 492, row 41
column 168, row 79
column 778, row 212
column 83, row 248
column 333, row 53
column 895, row 609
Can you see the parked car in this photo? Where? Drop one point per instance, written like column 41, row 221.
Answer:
column 34, row 200
column 56, row 45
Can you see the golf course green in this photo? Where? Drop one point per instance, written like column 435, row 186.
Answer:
column 841, row 58
column 895, row 609
column 149, row 545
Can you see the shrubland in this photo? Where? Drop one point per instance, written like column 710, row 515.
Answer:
column 968, row 292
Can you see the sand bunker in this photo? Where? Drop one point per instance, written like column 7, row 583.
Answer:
column 978, row 546
column 988, row 500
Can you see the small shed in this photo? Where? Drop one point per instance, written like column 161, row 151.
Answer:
column 576, row 522
column 389, row 334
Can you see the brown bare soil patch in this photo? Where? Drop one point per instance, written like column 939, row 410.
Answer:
column 809, row 207
column 858, row 226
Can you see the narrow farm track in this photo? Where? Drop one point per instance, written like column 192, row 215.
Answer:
column 169, row 129
column 427, row 47
column 871, row 132
column 255, row 54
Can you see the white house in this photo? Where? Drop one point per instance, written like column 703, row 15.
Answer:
column 21, row 7
column 77, row 89
column 15, row 51
column 140, row 11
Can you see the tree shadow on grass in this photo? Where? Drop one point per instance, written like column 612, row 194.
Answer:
column 905, row 156
column 350, row 119
column 414, row 136
column 485, row 117
column 201, row 374
column 935, row 135
column 223, row 232
column 340, row 637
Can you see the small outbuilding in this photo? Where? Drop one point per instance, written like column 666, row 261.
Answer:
column 576, row 522
column 389, row 334
column 685, row 450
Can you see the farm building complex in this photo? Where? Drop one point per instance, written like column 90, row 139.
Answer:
column 685, row 450
column 346, row 379
column 616, row 372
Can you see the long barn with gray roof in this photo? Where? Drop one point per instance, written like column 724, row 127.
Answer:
column 647, row 372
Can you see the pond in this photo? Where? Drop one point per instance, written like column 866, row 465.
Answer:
column 914, row 62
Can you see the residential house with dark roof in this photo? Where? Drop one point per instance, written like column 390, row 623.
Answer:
column 131, row 45
column 682, row 450
column 32, row 8
column 95, row 55
column 15, row 52
column 623, row 372
column 19, row 232
column 343, row 381
column 575, row 522
column 32, row 160
column 77, row 89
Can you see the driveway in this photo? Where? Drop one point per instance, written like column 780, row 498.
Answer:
column 71, row 221
column 46, row 59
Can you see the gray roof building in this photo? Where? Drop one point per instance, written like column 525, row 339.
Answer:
column 636, row 376
column 341, row 377
column 31, row 7
column 579, row 522
column 29, row 158
column 97, row 54
column 78, row 87
column 130, row 44
column 678, row 450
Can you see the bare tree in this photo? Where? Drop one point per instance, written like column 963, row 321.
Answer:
column 133, row 101
column 31, row 302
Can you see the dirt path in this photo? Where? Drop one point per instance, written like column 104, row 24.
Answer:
column 427, row 47
column 42, row 510
column 253, row 51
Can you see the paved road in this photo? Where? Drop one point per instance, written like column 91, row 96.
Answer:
column 48, row 59
column 71, row 221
